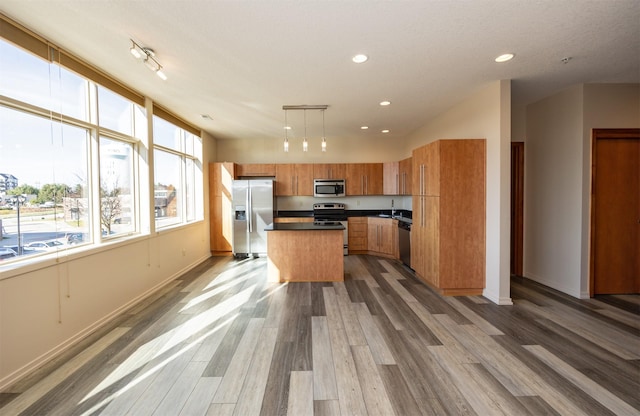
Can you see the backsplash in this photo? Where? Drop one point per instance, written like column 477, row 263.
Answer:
column 377, row 202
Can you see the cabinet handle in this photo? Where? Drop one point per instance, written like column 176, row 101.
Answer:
column 398, row 189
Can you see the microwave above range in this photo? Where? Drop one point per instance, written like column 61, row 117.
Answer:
column 328, row 187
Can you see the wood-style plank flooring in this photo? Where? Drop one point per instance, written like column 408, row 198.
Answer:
column 222, row 341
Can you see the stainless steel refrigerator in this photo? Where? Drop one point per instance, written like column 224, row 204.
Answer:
column 252, row 212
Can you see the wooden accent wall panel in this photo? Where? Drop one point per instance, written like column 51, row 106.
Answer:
column 221, row 176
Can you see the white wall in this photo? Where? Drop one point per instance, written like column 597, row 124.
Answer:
column 48, row 305
column 558, row 178
column 353, row 150
column 553, row 191
column 485, row 114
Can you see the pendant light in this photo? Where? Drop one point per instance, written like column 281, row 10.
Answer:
column 305, row 144
column 324, row 138
column 286, row 128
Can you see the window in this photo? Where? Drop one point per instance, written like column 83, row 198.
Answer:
column 71, row 158
column 117, row 190
column 115, row 112
column 48, row 197
column 177, row 173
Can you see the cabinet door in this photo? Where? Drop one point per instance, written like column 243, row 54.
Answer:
column 431, row 240
column 389, row 238
column 418, row 167
column 373, row 179
column 405, row 176
column 417, row 236
column 431, row 175
column 373, row 237
column 256, row 169
column 329, row 171
column 357, row 234
column 304, row 179
column 285, row 179
column 391, row 178
column 355, row 178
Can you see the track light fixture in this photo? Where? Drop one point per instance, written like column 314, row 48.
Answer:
column 149, row 58
column 305, row 142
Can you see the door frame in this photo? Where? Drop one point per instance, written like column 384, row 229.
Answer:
column 517, row 207
column 600, row 134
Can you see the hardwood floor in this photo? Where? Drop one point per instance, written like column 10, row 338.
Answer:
column 223, row 341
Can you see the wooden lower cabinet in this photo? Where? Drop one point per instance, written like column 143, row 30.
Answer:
column 373, row 235
column 357, row 235
column 382, row 236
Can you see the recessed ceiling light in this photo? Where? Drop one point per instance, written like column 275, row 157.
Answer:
column 385, row 131
column 505, row 57
column 384, row 103
column 364, row 127
column 287, row 127
column 360, row 58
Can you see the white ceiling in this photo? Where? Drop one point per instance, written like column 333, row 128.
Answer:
column 241, row 61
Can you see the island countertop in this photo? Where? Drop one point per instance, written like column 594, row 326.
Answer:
column 302, row 226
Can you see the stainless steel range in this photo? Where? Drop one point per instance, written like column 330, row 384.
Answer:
column 331, row 213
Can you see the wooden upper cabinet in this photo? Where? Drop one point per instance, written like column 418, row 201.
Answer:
column 294, row 179
column 364, row 179
column 329, row 171
column 256, row 169
column 405, row 176
column 426, row 170
column 391, row 178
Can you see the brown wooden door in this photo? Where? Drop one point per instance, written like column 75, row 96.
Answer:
column 615, row 211
column 517, row 206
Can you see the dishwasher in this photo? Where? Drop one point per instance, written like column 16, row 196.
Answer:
column 404, row 242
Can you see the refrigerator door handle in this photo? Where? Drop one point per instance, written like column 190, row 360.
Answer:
column 249, row 210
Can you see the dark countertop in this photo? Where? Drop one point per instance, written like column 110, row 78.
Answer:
column 400, row 214
column 302, row 226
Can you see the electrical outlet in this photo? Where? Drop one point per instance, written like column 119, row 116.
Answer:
column 184, row 252
column 358, row 203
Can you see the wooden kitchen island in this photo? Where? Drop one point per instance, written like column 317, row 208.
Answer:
column 305, row 252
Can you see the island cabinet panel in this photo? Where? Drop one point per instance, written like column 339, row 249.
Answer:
column 364, row 179
column 293, row 256
column 329, row 171
column 357, row 235
column 448, row 231
column 221, row 176
column 294, row 179
column 256, row 169
column 382, row 237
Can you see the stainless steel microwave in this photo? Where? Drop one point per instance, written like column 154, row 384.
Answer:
column 328, row 187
